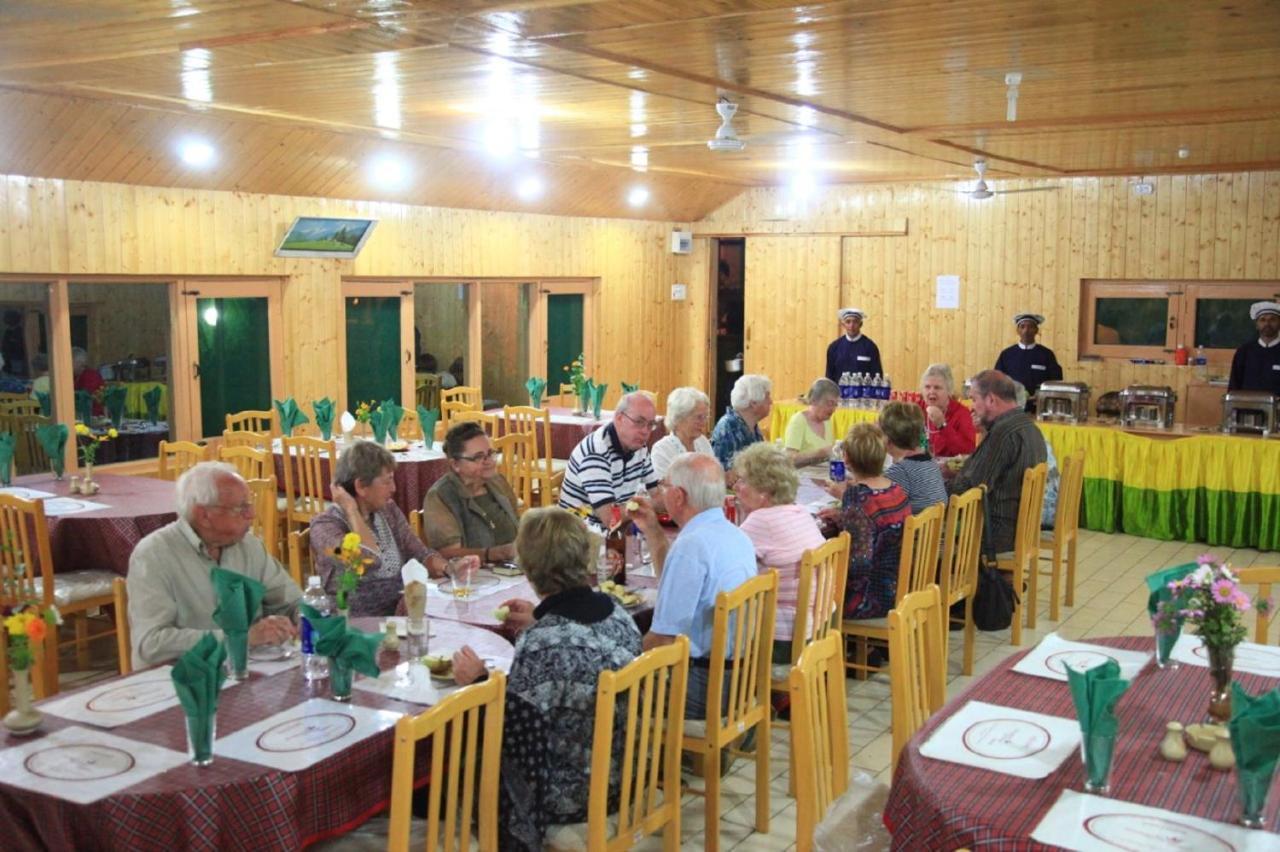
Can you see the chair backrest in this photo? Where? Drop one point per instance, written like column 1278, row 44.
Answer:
column 253, row 421
column 300, row 563
column 28, row 454
column 490, row 423
column 918, row 560
column 25, row 406
column 305, row 460
column 518, row 466
column 917, row 677
column 1263, row 577
column 567, row 397
column 266, row 512
column 962, row 544
column 249, row 462
column 246, row 438
column 124, row 641
column 177, row 457
column 462, row 393
column 427, row 390
column 820, row 593
column 26, row 571
column 410, row 428
column 531, row 421
column 819, row 733
column 650, row 690
column 1026, row 544
column 463, row 733
column 1066, row 519
column 742, row 630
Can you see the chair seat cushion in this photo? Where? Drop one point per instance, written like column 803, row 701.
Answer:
column 75, row 586
column 573, row 835
column 854, row 624
column 778, row 672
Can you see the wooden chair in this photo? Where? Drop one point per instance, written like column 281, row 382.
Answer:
column 518, row 466
column 427, row 390
column 124, row 639
column 1065, row 533
column 962, row 545
column 249, row 462
column 254, row 421
column 20, row 407
column 749, row 612
column 469, row 396
column 177, row 457
column 1024, row 561
column 567, row 397
column 418, row 526
column 917, row 568
column 650, row 693
column 548, row 470
column 464, row 734
column 1263, row 577
column 410, row 428
column 490, row 423
column 28, row 455
column 300, row 557
column 819, row 733
column 245, row 438
column 917, row 671
column 305, row 477
column 266, row 513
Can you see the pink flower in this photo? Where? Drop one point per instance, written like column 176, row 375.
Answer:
column 1206, row 559
column 1241, row 601
column 1224, row 591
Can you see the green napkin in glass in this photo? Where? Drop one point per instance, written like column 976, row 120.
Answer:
column 1158, row 584
column 46, row 403
column 291, row 417
column 378, row 421
column 1095, row 692
column 197, row 677
column 1255, row 739
column 152, row 401
column 113, row 399
column 395, row 411
column 597, row 399
column 535, row 386
column 53, row 439
column 239, row 601
column 323, row 409
column 583, row 390
column 350, row 649
column 627, row 387
column 428, row 418
column 84, row 407
column 6, row 457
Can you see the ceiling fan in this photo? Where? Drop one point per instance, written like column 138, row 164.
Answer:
column 981, row 192
column 727, row 140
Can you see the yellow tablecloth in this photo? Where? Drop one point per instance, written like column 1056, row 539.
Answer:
column 134, row 406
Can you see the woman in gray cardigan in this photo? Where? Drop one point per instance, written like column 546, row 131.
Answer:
column 472, row 509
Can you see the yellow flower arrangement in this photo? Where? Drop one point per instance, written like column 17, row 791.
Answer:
column 27, row 625
column 350, row 554
column 364, row 411
column 88, row 441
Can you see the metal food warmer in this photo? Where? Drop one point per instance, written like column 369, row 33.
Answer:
column 1148, row 406
column 1249, row 411
column 1063, row 402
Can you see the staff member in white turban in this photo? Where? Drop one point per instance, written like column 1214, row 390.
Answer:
column 1256, row 365
column 1027, row 361
column 852, row 352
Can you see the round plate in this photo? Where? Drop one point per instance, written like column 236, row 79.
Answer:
column 270, row 653
column 480, row 585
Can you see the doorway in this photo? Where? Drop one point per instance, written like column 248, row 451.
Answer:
column 728, row 319
column 563, row 327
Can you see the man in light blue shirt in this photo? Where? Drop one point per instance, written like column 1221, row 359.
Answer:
column 710, row 556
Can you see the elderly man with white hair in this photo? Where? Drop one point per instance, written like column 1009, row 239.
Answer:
column 171, row 597
column 611, row 465
column 688, row 411
column 750, row 402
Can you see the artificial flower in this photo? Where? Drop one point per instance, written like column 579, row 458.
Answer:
column 37, row 630
column 1224, row 591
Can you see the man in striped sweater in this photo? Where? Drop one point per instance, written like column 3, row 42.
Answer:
column 611, row 465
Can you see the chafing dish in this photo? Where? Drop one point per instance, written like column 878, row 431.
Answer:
column 1147, row 405
column 1065, row 402
column 1249, row 411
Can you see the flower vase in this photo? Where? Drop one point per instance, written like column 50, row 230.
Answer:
column 23, row 719
column 1221, row 662
column 88, row 485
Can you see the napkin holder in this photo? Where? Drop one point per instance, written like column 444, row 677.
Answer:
column 1147, row 406
column 1249, row 411
column 1063, row 402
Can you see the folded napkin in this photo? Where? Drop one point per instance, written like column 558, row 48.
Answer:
column 6, row 457
column 627, row 387
column 597, row 399
column 1255, row 739
column 46, row 403
column 428, row 417
column 53, row 439
column 394, row 411
column 84, row 406
column 291, row 417
column 1158, row 584
column 1095, row 692
column 239, row 601
column 583, row 391
column 346, row 422
column 197, row 677
column 323, row 409
column 348, row 649
column 113, row 398
column 152, row 400
column 378, row 421
column 535, row 386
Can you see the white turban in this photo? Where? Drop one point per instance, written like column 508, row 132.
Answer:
column 1258, row 309
column 848, row 312
column 1036, row 318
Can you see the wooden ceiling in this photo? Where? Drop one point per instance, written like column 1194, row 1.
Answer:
column 595, row 98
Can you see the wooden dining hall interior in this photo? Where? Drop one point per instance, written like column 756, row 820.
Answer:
column 211, row 207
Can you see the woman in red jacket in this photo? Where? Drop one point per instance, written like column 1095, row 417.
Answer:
column 948, row 422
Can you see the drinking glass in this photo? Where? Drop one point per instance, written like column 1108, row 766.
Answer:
column 1096, row 751
column 460, row 570
column 340, row 679
column 1166, row 638
column 200, row 736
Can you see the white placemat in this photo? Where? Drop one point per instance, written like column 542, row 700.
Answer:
column 1098, row 824
column 70, row 506
column 118, row 702
column 27, row 493
column 412, row 682
column 1051, row 657
column 1004, row 739
column 296, row 738
column 82, row 765
column 1250, row 657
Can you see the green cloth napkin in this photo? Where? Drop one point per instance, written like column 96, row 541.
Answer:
column 46, row 403
column 323, row 409
column 239, row 601
column 378, row 422
column 152, row 400
column 84, row 407
column 1095, row 692
column 333, row 638
column 428, row 418
column 584, row 394
column 197, row 677
column 597, row 399
column 291, row 417
column 394, row 411
column 113, row 398
column 535, row 386
column 627, row 387
column 6, row 457
column 1158, row 584
column 1255, row 739
column 53, row 439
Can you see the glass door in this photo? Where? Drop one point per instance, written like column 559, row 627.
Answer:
column 379, row 342
column 562, row 327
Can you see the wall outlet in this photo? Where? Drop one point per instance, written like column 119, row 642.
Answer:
column 679, row 292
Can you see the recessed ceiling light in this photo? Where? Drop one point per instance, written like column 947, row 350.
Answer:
column 638, row 196
column 499, row 140
column 389, row 172
column 196, row 152
column 530, row 188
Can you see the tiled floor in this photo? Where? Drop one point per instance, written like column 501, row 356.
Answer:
column 1110, row 600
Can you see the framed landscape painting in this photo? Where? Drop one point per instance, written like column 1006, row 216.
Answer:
column 313, row 236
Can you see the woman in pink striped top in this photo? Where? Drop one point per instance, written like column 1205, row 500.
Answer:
column 780, row 530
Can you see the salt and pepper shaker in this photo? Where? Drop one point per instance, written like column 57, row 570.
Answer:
column 1221, row 757
column 391, row 641
column 1173, row 747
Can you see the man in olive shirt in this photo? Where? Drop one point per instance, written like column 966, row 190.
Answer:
column 171, row 598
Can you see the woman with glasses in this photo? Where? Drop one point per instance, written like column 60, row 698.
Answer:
column 688, row 413
column 809, row 438
column 364, row 483
column 471, row 511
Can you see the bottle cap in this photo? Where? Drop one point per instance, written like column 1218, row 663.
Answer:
column 313, row 582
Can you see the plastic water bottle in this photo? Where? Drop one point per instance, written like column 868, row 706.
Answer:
column 855, row 393
column 314, row 666
column 845, row 389
column 887, row 392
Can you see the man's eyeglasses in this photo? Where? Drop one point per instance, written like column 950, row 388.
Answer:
column 641, row 422
column 478, row 457
column 238, row 509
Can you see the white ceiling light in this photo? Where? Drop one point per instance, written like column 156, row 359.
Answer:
column 638, row 196
column 1013, row 79
column 530, row 188
column 211, row 315
column 196, row 153
column 499, row 141
column 389, row 172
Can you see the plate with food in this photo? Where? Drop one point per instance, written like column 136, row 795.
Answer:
column 398, row 446
column 629, row 598
column 440, row 666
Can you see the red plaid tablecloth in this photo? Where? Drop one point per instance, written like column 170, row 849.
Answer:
column 938, row 805
column 231, row 804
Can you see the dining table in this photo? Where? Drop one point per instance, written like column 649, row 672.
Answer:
column 418, row 466
column 938, row 804
column 108, row 768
